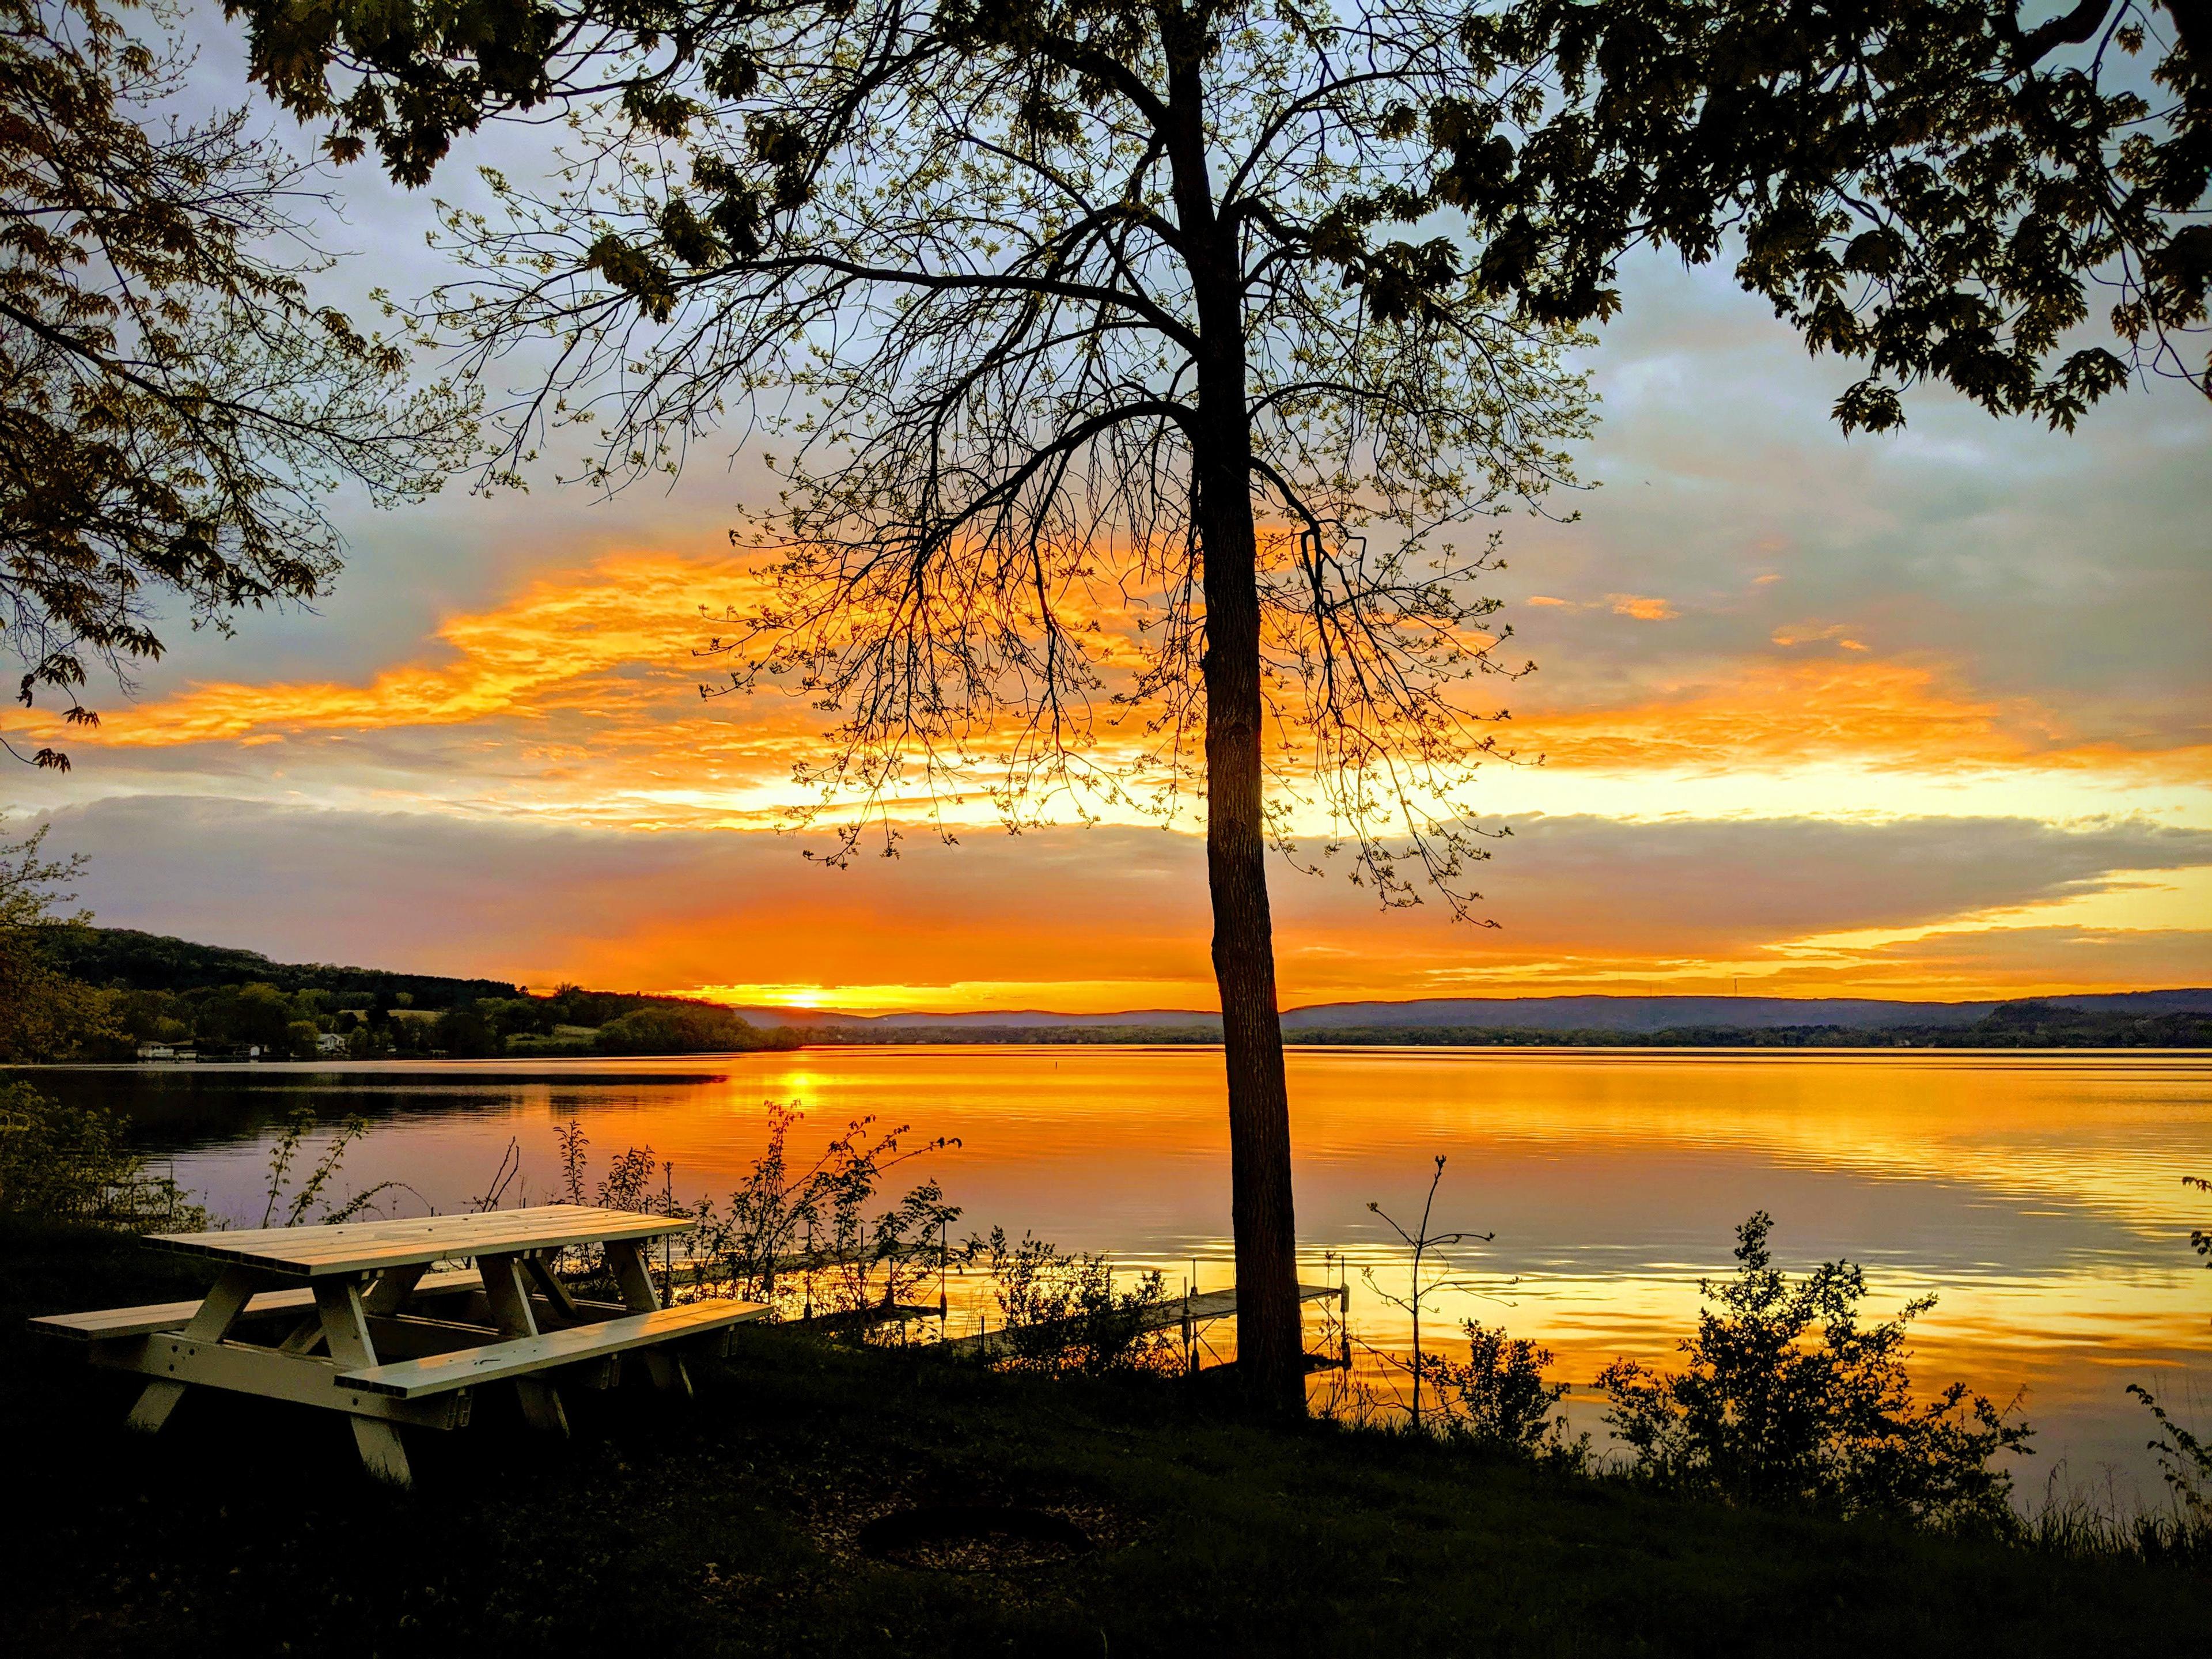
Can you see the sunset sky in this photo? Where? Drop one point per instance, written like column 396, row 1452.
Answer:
column 1917, row 715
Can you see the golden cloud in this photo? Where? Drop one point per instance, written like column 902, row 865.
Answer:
column 555, row 648
column 574, row 701
column 1864, row 711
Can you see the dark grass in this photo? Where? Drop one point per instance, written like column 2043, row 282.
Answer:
column 730, row 1527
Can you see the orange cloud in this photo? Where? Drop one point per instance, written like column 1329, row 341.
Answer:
column 1871, row 712
column 1642, row 606
column 1116, row 917
column 557, row 646
column 1808, row 633
column 574, row 701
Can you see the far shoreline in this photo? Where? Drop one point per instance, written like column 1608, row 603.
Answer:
column 610, row 1068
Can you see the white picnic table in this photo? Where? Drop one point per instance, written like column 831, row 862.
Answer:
column 379, row 1320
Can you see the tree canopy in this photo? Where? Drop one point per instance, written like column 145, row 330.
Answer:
column 43, row 1010
column 1937, row 189
column 177, row 404
column 1154, row 357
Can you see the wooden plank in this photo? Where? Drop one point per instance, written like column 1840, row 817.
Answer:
column 155, row 1401
column 345, row 1333
column 210, row 1322
column 105, row 1324
column 562, row 1305
column 370, row 1246
column 508, row 1297
column 1199, row 1309
column 175, row 1360
column 633, row 1277
column 416, row 1379
column 410, row 1336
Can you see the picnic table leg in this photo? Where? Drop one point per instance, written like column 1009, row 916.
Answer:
column 345, row 1328
column 626, row 1261
column 390, row 1293
column 218, row 1312
column 558, row 1301
column 509, row 1300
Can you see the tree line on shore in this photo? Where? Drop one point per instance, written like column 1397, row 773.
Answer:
column 2028, row 1023
column 260, row 1019
column 72, row 992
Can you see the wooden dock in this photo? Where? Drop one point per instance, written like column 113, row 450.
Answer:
column 1190, row 1313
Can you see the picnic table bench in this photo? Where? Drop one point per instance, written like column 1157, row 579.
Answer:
column 377, row 1319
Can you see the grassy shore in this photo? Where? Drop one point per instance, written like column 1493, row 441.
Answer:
column 731, row 1526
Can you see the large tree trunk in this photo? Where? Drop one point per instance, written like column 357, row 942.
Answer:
column 1270, row 1348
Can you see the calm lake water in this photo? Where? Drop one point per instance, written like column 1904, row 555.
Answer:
column 2038, row 1195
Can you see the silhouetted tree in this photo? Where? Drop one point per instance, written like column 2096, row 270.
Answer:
column 1067, row 327
column 173, row 404
column 1788, row 1401
column 1217, row 318
column 44, row 1013
column 1936, row 188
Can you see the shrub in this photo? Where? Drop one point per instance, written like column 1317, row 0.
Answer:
column 2184, row 1459
column 465, row 1033
column 2185, row 1462
column 290, row 1205
column 1060, row 1315
column 1788, row 1401
column 677, row 1029
column 61, row 1162
column 799, row 1237
column 1498, row 1397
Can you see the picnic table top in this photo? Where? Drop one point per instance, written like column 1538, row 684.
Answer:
column 357, row 1247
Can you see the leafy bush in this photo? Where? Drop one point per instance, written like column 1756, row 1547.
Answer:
column 2184, row 1458
column 679, row 1029
column 797, row 1239
column 45, row 1013
column 1498, row 1397
column 1788, row 1401
column 1060, row 1315
column 465, row 1033
column 60, row 1163
column 290, row 1206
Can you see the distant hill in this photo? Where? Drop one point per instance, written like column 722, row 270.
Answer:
column 1615, row 1014
column 141, row 960
column 155, row 962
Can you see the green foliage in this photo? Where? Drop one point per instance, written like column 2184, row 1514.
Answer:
column 2185, row 1458
column 131, row 960
column 1928, row 186
column 1060, row 1315
column 1789, row 1403
column 62, row 1164
column 147, row 989
column 242, row 1017
column 290, row 1205
column 45, row 1014
column 800, row 1237
column 751, row 1247
column 1499, row 1398
column 465, row 1034
column 178, row 403
column 681, row 1029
